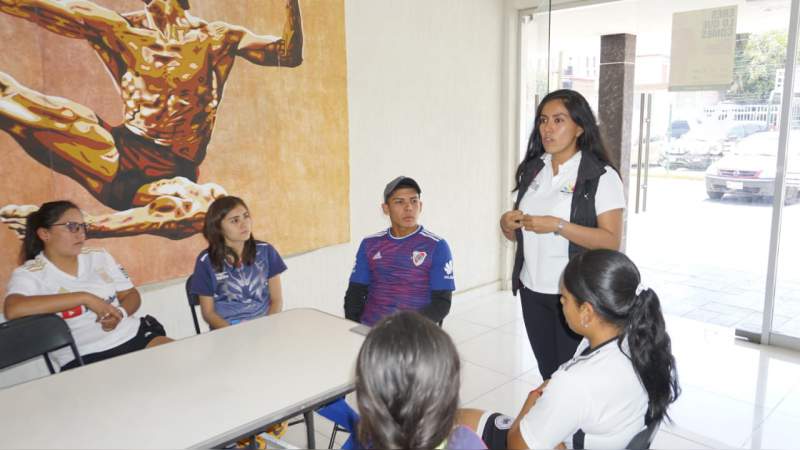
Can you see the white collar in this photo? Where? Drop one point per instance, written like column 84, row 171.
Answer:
column 547, row 158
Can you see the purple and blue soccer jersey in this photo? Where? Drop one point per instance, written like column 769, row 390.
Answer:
column 239, row 293
column 402, row 272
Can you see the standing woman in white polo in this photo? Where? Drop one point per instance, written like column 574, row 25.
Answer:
column 569, row 199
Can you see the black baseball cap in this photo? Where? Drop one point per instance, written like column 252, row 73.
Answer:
column 397, row 183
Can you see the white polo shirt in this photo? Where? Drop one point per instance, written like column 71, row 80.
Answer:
column 547, row 254
column 98, row 274
column 597, row 392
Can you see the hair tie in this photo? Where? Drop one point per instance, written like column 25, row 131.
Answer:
column 641, row 288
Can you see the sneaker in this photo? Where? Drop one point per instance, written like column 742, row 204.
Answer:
column 261, row 443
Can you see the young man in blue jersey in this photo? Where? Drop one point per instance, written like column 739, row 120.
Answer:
column 405, row 267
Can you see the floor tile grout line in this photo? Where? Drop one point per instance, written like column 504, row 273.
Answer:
column 738, row 400
column 489, row 392
column 691, row 439
column 472, row 338
column 491, row 369
column 697, row 438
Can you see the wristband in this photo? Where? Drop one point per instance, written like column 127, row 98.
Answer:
column 560, row 227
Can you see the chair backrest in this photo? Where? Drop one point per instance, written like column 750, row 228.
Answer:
column 193, row 302
column 28, row 337
column 644, row 438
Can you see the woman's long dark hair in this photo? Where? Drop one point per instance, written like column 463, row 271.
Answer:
column 608, row 280
column 581, row 113
column 218, row 251
column 47, row 215
column 407, row 382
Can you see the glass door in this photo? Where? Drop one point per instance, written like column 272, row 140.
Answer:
column 534, row 45
column 781, row 324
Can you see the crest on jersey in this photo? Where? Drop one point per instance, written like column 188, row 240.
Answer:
column 418, row 257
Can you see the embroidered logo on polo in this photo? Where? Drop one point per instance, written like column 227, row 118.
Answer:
column 418, row 257
column 104, row 275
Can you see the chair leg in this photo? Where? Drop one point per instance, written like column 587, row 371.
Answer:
column 333, row 436
column 49, row 364
column 309, row 416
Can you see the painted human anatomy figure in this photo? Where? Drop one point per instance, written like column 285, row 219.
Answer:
column 170, row 69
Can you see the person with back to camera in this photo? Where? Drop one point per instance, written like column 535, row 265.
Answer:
column 84, row 286
column 623, row 374
column 405, row 267
column 407, row 385
column 569, row 199
column 237, row 278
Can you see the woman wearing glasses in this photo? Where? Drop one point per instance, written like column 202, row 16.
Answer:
column 85, row 286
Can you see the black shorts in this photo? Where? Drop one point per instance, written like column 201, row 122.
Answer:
column 495, row 431
column 141, row 161
column 149, row 329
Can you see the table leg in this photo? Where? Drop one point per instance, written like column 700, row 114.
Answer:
column 309, row 416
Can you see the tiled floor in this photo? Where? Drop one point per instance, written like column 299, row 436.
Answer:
column 710, row 272
column 735, row 394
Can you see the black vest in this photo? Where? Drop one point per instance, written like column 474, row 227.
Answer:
column 582, row 211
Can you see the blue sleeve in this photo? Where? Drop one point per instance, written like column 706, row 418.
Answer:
column 274, row 262
column 361, row 269
column 203, row 278
column 442, row 278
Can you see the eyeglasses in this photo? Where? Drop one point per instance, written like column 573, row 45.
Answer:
column 73, row 227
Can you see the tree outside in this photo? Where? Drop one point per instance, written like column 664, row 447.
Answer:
column 757, row 58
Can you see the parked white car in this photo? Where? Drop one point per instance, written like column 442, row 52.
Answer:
column 749, row 169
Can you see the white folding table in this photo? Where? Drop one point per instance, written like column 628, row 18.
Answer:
column 197, row 392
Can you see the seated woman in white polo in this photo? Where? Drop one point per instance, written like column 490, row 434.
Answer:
column 621, row 378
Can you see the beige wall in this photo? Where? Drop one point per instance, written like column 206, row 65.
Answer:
column 426, row 98
column 280, row 140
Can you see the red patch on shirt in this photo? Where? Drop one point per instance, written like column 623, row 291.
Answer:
column 73, row 312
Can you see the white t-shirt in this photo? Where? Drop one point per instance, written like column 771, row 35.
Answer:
column 98, row 274
column 598, row 393
column 547, row 254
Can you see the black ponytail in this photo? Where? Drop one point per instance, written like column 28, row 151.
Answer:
column 47, row 215
column 609, row 281
column 651, row 352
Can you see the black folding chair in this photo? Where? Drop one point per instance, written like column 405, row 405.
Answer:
column 32, row 336
column 193, row 303
column 644, row 438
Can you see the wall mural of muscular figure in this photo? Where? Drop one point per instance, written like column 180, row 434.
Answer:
column 170, row 68
column 123, row 113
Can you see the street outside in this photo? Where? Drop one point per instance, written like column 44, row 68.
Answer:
column 707, row 259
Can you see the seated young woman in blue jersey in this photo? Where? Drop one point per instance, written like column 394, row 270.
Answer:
column 407, row 384
column 85, row 286
column 236, row 278
column 621, row 378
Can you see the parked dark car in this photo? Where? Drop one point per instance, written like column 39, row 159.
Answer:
column 705, row 144
column 749, row 170
column 678, row 128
